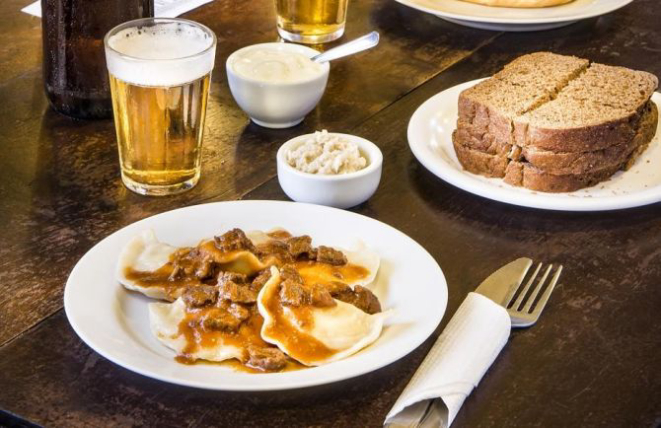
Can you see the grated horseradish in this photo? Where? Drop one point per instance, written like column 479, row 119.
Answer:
column 326, row 154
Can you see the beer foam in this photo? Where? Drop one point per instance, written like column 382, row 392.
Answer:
column 165, row 54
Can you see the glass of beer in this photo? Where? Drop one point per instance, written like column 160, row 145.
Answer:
column 160, row 71
column 311, row 21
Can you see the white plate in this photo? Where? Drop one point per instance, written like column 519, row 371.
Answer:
column 515, row 19
column 430, row 138
column 114, row 322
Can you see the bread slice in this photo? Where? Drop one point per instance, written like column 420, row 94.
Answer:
column 598, row 109
column 562, row 162
column 487, row 110
column 555, row 123
column 518, row 170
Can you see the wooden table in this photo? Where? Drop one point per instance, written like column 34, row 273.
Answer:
column 594, row 359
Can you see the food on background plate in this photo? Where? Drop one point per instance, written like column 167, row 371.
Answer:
column 214, row 289
column 326, row 154
column 555, row 123
column 520, row 3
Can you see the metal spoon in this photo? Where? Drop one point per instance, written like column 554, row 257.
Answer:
column 349, row 48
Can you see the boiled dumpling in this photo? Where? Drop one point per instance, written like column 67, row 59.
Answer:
column 161, row 271
column 165, row 320
column 362, row 264
column 307, row 324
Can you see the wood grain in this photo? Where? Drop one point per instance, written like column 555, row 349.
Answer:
column 592, row 360
column 60, row 177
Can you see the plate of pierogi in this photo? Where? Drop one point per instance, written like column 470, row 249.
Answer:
column 255, row 296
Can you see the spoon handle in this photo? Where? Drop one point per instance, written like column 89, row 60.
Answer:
column 360, row 44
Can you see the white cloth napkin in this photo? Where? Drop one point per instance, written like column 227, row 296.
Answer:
column 462, row 354
column 162, row 8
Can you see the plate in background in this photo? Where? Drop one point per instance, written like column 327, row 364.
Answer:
column 515, row 19
column 430, row 139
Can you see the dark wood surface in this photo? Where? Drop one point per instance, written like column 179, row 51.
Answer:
column 594, row 359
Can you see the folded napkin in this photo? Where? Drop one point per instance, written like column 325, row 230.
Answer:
column 462, row 354
column 162, row 8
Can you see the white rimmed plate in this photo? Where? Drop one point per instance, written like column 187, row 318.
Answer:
column 115, row 323
column 430, row 138
column 515, row 19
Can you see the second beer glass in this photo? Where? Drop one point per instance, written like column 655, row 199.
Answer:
column 311, row 21
column 160, row 71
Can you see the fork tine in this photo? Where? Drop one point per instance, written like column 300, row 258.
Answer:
column 547, row 293
column 519, row 300
column 536, row 290
column 513, row 290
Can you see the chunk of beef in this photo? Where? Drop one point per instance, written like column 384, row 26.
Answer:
column 330, row 256
column 205, row 268
column 301, row 247
column 360, row 297
column 226, row 317
column 289, row 272
column 292, row 293
column 268, row 359
column 233, row 240
column 192, row 263
column 277, row 249
column 295, row 294
column 200, row 295
column 260, row 280
column 320, row 297
column 239, row 311
column 238, row 293
column 238, row 278
column 178, row 273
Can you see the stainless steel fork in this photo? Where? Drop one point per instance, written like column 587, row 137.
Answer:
column 525, row 310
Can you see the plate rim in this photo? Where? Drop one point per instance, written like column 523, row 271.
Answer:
column 617, row 4
column 238, row 387
column 538, row 200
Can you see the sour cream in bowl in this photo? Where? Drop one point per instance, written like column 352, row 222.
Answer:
column 338, row 170
column 276, row 84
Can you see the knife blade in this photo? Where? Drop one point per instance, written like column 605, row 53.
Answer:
column 501, row 284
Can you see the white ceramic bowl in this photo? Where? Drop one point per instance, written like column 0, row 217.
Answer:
column 277, row 105
column 340, row 191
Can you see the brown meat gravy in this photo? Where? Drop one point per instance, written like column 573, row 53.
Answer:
column 198, row 337
column 314, row 272
column 195, row 266
column 300, row 345
column 189, row 262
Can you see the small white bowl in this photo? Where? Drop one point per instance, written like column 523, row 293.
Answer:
column 277, row 105
column 339, row 191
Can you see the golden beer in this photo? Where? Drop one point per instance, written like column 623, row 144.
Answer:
column 159, row 133
column 311, row 21
column 160, row 73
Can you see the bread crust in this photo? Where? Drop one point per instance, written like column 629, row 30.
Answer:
column 563, row 162
column 520, row 3
column 525, row 175
column 555, row 123
column 518, row 170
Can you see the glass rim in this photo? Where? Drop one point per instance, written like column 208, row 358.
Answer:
column 154, row 20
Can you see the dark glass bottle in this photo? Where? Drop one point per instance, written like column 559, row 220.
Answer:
column 75, row 74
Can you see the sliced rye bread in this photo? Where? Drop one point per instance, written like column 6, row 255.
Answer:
column 523, row 173
column 559, row 163
column 487, row 109
column 554, row 102
column 600, row 108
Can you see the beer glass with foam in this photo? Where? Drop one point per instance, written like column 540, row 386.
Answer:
column 160, row 72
